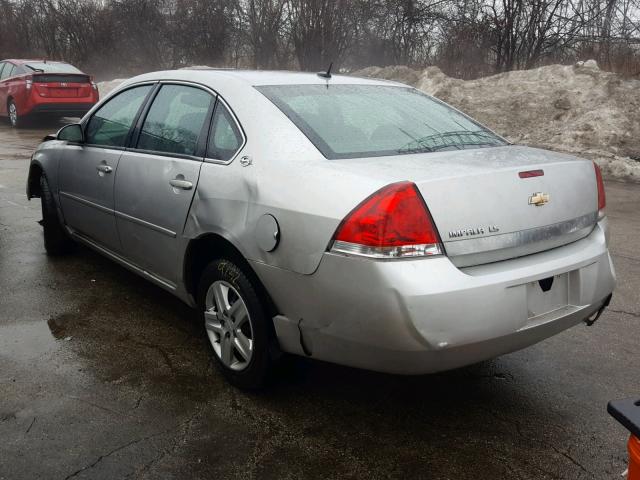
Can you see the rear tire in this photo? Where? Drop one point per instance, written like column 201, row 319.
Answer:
column 56, row 240
column 237, row 325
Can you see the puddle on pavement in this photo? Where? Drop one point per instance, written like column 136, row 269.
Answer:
column 26, row 341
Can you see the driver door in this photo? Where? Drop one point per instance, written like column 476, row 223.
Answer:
column 87, row 170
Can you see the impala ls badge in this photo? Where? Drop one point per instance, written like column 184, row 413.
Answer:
column 539, row 199
column 470, row 232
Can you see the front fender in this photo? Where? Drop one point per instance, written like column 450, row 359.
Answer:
column 44, row 161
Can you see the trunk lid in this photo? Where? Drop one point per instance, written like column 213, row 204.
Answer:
column 62, row 85
column 485, row 211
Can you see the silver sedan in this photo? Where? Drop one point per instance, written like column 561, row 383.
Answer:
column 349, row 220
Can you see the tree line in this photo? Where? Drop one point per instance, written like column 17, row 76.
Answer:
column 466, row 38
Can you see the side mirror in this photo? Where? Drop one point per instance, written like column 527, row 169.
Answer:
column 71, row 133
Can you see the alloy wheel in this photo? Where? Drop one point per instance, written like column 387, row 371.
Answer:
column 228, row 325
column 13, row 114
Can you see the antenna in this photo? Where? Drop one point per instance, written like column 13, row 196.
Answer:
column 326, row 74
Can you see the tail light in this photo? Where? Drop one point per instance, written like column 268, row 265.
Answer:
column 602, row 199
column 394, row 222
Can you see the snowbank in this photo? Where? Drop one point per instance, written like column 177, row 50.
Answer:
column 105, row 87
column 577, row 109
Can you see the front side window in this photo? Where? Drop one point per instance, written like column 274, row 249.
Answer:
column 225, row 138
column 110, row 125
column 175, row 120
column 2, row 67
column 8, row 71
column 349, row 121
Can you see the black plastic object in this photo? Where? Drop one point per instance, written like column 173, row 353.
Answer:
column 326, row 74
column 605, row 304
column 627, row 412
column 546, row 284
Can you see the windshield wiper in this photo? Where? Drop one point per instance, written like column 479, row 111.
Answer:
column 458, row 139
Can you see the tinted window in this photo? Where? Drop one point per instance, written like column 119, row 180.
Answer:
column 52, row 67
column 225, row 139
column 110, row 125
column 347, row 121
column 175, row 120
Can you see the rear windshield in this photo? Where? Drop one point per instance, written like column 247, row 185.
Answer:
column 349, row 121
column 48, row 67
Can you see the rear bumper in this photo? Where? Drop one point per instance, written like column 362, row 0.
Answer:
column 427, row 315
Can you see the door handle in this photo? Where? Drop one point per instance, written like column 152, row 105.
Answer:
column 180, row 183
column 104, row 168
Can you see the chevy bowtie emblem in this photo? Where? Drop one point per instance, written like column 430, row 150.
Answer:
column 539, row 199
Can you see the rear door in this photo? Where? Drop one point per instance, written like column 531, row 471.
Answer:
column 156, row 180
column 87, row 170
column 5, row 67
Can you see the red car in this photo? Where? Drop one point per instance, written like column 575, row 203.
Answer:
column 30, row 88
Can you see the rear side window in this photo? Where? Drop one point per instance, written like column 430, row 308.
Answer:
column 225, row 138
column 349, row 121
column 110, row 125
column 175, row 120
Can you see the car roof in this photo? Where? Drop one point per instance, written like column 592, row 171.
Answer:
column 28, row 60
column 206, row 75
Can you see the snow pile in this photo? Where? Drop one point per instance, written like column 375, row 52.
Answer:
column 105, row 87
column 577, row 109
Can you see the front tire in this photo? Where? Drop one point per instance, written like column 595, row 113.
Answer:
column 15, row 119
column 237, row 325
column 56, row 240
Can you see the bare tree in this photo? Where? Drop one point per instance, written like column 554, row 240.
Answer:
column 320, row 31
column 467, row 38
column 263, row 28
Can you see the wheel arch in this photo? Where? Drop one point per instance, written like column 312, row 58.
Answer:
column 209, row 247
column 33, row 180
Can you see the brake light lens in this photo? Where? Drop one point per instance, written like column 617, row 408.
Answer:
column 602, row 199
column 394, row 222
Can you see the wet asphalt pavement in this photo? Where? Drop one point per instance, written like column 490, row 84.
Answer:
column 103, row 375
